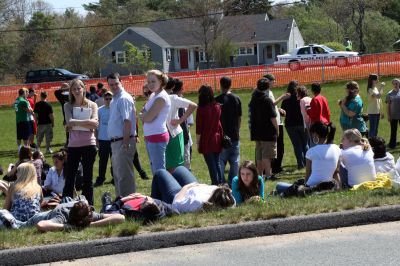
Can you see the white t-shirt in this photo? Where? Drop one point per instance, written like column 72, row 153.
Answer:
column 194, row 198
column 359, row 164
column 278, row 114
column 176, row 103
column 385, row 164
column 158, row 125
column 325, row 158
column 54, row 182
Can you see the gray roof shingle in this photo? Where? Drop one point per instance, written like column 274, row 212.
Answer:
column 187, row 32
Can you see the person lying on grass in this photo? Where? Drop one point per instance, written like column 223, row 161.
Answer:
column 75, row 215
column 138, row 206
column 182, row 190
column 322, row 163
column 248, row 185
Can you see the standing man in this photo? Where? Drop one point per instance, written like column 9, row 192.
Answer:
column 231, row 115
column 104, row 143
column 122, row 131
column 263, row 127
column 45, row 121
column 23, row 112
column 277, row 162
column 348, row 44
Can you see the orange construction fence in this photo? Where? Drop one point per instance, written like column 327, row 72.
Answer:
column 306, row 72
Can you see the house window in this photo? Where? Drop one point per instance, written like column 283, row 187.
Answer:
column 202, row 57
column 120, row 57
column 246, row 50
column 168, row 54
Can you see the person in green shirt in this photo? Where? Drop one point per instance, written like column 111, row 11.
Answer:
column 23, row 111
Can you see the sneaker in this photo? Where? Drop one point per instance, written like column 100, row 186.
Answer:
column 106, row 200
column 49, row 151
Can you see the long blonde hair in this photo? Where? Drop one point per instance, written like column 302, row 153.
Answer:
column 354, row 136
column 26, row 182
column 71, row 95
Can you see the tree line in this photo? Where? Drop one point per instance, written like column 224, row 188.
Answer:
column 34, row 35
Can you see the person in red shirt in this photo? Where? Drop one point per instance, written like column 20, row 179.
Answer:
column 209, row 132
column 318, row 111
column 32, row 100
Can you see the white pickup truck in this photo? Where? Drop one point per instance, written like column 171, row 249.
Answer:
column 317, row 55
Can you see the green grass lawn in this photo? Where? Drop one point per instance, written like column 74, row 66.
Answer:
column 273, row 208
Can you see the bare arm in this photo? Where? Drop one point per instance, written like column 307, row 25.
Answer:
column 345, row 110
column 281, row 98
column 51, row 119
column 48, row 225
column 275, row 123
column 336, row 176
column 109, row 219
column 187, row 113
column 126, row 132
column 155, row 109
column 7, row 201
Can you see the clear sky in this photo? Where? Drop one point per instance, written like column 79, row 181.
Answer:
column 59, row 6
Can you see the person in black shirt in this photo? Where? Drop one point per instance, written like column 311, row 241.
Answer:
column 231, row 115
column 263, row 125
column 45, row 121
column 294, row 124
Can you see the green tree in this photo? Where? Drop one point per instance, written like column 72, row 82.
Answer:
column 137, row 60
column 222, row 50
column 246, row 7
column 380, row 32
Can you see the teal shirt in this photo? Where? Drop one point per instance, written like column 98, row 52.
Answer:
column 236, row 193
column 356, row 106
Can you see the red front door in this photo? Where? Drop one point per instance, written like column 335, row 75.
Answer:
column 183, row 54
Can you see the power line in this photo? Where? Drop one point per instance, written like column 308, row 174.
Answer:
column 124, row 23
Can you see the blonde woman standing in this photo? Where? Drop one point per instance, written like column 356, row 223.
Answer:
column 25, row 194
column 81, row 122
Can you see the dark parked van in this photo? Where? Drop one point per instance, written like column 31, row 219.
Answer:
column 50, row 75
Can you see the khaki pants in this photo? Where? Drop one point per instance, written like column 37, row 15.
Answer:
column 122, row 162
column 44, row 131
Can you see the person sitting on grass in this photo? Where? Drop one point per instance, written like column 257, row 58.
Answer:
column 55, row 179
column 138, row 206
column 24, row 155
column 182, row 190
column 248, row 185
column 25, row 194
column 383, row 160
column 75, row 215
column 322, row 161
column 357, row 159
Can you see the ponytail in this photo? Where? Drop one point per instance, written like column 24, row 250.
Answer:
column 331, row 134
column 365, row 144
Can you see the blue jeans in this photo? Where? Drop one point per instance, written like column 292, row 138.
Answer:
column 281, row 187
column 344, row 177
column 231, row 155
column 214, row 168
column 373, row 124
column 298, row 137
column 156, row 152
column 166, row 185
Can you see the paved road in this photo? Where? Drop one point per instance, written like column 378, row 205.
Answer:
column 377, row 244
